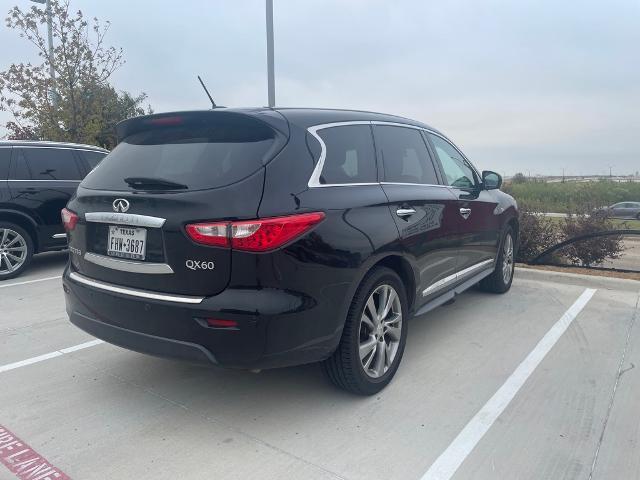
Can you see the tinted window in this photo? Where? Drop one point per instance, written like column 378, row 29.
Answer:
column 350, row 156
column 5, row 157
column 92, row 158
column 199, row 154
column 46, row 164
column 405, row 155
column 456, row 170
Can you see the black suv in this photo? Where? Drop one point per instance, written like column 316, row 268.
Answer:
column 260, row 238
column 37, row 179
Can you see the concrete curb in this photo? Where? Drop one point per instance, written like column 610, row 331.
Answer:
column 578, row 279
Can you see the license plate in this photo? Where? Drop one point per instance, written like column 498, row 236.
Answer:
column 127, row 242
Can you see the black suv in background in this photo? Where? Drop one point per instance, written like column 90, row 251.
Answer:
column 37, row 179
column 260, row 238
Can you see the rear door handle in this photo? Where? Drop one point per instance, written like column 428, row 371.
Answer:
column 465, row 212
column 405, row 212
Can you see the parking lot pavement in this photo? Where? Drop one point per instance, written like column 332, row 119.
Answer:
column 104, row 412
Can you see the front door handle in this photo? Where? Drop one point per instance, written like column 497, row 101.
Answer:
column 465, row 212
column 405, row 212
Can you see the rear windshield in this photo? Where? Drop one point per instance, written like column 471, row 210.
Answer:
column 198, row 153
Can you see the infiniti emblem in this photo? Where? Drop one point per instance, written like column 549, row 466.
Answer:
column 120, row 205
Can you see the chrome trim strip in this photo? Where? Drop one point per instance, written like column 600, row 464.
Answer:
column 76, row 277
column 439, row 284
column 127, row 265
column 52, row 180
column 455, row 277
column 397, row 124
column 59, row 235
column 84, row 149
column 342, row 185
column 414, row 184
column 125, row 219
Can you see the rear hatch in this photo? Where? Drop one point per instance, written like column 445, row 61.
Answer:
column 169, row 171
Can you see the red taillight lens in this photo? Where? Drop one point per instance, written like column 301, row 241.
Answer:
column 270, row 233
column 69, row 219
column 221, row 323
column 214, row 234
column 254, row 235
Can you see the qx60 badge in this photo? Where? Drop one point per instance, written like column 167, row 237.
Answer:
column 120, row 205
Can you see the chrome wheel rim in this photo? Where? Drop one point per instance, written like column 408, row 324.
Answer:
column 13, row 251
column 380, row 331
column 507, row 259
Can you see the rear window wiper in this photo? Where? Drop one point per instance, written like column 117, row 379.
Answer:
column 151, row 183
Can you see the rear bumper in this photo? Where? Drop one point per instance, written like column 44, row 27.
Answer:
column 275, row 328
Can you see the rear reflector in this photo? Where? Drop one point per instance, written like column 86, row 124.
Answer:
column 259, row 235
column 69, row 219
column 221, row 323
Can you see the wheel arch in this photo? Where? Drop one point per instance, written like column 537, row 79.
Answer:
column 514, row 223
column 402, row 267
column 23, row 220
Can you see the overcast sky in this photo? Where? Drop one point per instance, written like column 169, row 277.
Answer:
column 518, row 85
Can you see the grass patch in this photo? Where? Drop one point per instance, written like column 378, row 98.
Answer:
column 572, row 196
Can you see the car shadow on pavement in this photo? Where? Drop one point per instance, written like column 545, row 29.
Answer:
column 47, row 261
column 229, row 393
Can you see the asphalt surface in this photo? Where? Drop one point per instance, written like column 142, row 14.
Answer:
column 539, row 383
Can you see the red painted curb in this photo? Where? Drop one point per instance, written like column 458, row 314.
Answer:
column 24, row 462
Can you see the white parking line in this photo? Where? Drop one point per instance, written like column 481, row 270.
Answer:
column 5, row 285
column 47, row 356
column 450, row 460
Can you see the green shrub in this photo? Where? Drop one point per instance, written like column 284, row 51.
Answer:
column 537, row 233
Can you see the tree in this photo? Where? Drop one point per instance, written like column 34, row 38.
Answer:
column 519, row 178
column 79, row 105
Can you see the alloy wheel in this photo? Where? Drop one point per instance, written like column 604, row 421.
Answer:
column 380, row 331
column 13, row 251
column 507, row 259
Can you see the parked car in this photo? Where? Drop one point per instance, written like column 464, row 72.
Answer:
column 625, row 210
column 260, row 238
column 37, row 179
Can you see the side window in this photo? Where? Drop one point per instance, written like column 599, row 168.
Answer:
column 19, row 167
column 456, row 170
column 404, row 155
column 350, row 157
column 5, row 158
column 92, row 158
column 51, row 164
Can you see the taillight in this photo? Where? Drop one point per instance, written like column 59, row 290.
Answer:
column 214, row 234
column 254, row 235
column 69, row 219
column 270, row 233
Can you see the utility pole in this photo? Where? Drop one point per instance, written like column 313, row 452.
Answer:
column 52, row 72
column 271, row 88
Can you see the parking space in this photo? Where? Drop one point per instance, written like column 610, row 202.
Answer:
column 104, row 412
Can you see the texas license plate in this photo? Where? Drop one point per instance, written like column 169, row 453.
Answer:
column 127, row 242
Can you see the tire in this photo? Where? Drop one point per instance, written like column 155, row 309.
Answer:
column 502, row 277
column 15, row 242
column 374, row 372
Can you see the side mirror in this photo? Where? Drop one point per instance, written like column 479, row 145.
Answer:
column 491, row 180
